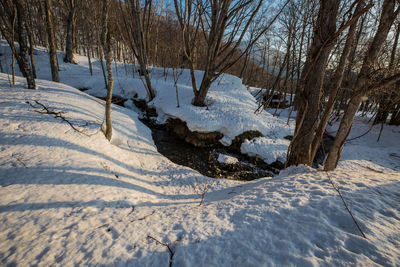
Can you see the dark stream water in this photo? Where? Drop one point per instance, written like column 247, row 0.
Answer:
column 204, row 159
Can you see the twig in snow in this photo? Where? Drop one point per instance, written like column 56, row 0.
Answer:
column 108, row 169
column 351, row 139
column 369, row 168
column 133, row 209
column 103, row 225
column 201, row 190
column 57, row 114
column 144, row 217
column 380, row 132
column 21, row 161
column 168, row 245
column 345, row 205
column 394, row 155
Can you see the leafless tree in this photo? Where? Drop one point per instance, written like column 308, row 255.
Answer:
column 8, row 9
column 223, row 25
column 312, row 80
column 364, row 83
column 52, row 41
column 138, row 20
column 106, row 42
column 70, row 37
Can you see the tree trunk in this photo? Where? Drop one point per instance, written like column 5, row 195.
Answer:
column 200, row 97
column 386, row 21
column 312, row 81
column 23, row 58
column 385, row 104
column 89, row 60
column 395, row 119
column 52, row 42
column 69, row 41
column 337, row 81
column 28, row 25
column 106, row 40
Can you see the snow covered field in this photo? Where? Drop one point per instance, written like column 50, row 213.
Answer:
column 68, row 198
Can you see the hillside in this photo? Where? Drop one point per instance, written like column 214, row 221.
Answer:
column 71, row 198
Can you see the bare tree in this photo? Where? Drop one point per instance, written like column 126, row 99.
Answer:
column 364, row 84
column 106, row 42
column 307, row 134
column 223, row 24
column 69, row 41
column 52, row 41
column 312, row 81
column 138, row 21
column 7, row 9
column 337, row 81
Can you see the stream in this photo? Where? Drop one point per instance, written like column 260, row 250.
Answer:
column 204, row 159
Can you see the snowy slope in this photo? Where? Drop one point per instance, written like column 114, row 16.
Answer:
column 69, row 199
column 230, row 109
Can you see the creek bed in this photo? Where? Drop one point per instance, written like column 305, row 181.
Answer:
column 204, row 159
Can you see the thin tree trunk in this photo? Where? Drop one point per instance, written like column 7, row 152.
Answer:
column 31, row 42
column 52, row 42
column 312, row 82
column 385, row 105
column 12, row 45
column 89, row 60
column 106, row 40
column 23, row 60
column 69, row 41
column 334, row 90
column 386, row 20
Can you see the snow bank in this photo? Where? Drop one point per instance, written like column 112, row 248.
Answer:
column 367, row 150
column 270, row 150
column 226, row 159
column 230, row 107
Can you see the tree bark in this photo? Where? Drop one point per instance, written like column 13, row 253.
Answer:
column 106, row 40
column 312, row 81
column 337, row 81
column 385, row 104
column 69, row 41
column 388, row 16
column 28, row 25
column 52, row 41
column 22, row 36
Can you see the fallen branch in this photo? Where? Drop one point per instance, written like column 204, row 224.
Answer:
column 171, row 252
column 345, row 205
column 369, row 168
column 201, row 190
column 57, row 114
column 144, row 217
column 351, row 139
column 133, row 209
column 394, row 155
column 21, row 161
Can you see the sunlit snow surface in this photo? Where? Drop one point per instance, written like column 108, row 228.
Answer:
column 69, row 199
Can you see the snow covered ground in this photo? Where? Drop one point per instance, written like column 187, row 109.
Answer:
column 68, row 198
column 230, row 108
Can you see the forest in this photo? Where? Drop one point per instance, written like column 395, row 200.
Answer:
column 199, row 133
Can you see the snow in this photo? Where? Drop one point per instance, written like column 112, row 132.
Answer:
column 269, row 150
column 230, row 107
column 384, row 152
column 70, row 199
column 226, row 159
